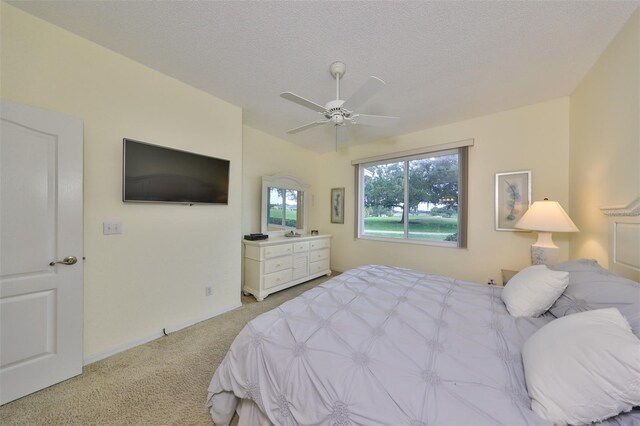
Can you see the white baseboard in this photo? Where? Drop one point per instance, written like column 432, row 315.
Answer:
column 171, row 329
column 121, row 348
column 174, row 328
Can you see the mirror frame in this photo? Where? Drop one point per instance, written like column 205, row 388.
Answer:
column 285, row 182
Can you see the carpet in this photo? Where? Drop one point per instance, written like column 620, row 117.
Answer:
column 163, row 382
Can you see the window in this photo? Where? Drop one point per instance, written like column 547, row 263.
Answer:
column 417, row 196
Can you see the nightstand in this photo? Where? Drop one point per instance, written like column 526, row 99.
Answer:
column 507, row 274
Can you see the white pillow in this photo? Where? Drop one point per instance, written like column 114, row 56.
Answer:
column 583, row 367
column 533, row 290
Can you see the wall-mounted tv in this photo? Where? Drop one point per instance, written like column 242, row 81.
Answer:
column 155, row 174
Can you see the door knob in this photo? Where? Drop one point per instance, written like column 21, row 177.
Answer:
column 69, row 260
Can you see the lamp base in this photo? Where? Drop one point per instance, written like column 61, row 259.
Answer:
column 544, row 255
column 544, row 251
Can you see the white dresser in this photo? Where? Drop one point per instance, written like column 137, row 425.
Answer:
column 280, row 262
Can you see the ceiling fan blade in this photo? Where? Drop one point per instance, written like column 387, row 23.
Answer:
column 302, row 101
column 374, row 120
column 372, row 86
column 306, row 126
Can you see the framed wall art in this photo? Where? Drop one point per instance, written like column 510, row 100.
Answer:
column 337, row 205
column 513, row 197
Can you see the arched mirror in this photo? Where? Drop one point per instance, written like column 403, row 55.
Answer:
column 283, row 204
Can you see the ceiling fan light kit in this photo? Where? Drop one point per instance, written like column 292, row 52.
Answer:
column 339, row 112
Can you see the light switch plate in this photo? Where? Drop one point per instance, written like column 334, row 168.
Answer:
column 111, row 228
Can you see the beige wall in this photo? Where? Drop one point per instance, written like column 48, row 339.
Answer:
column 154, row 274
column 130, row 293
column 605, row 141
column 532, row 138
column 264, row 154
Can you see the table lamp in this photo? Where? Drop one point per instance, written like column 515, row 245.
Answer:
column 545, row 217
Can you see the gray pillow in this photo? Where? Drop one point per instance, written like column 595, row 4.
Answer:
column 593, row 287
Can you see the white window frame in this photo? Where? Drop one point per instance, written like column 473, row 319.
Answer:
column 459, row 147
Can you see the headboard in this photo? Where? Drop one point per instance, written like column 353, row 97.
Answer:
column 624, row 241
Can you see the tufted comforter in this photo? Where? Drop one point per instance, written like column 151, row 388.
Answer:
column 379, row 345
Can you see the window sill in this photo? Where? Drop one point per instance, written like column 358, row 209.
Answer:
column 443, row 244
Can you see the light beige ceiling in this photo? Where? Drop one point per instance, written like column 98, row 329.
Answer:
column 442, row 61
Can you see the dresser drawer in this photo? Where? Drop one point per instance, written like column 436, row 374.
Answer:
column 300, row 265
column 280, row 250
column 315, row 267
column 277, row 278
column 277, row 264
column 319, row 244
column 317, row 255
column 301, row 247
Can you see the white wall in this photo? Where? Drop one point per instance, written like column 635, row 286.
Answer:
column 154, row 274
column 583, row 152
column 605, row 141
column 534, row 137
column 263, row 155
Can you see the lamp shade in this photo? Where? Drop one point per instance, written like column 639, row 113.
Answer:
column 546, row 216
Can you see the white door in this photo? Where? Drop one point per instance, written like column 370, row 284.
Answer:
column 40, row 223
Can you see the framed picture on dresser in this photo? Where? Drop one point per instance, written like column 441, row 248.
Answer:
column 513, row 197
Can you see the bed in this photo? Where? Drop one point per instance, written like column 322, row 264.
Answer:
column 381, row 345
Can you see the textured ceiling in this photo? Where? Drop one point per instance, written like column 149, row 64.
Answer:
column 442, row 61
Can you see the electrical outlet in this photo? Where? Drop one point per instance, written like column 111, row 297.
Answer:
column 208, row 291
column 491, row 281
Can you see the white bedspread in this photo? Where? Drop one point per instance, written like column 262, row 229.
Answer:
column 381, row 346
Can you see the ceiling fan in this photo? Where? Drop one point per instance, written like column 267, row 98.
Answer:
column 338, row 112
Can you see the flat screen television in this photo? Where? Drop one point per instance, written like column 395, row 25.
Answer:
column 155, row 174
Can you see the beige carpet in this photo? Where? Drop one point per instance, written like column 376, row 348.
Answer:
column 163, row 382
